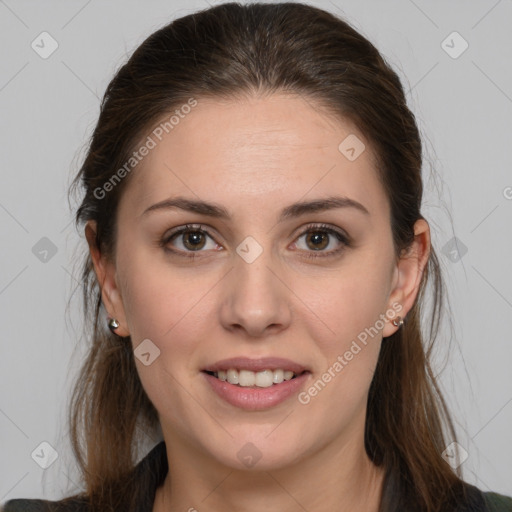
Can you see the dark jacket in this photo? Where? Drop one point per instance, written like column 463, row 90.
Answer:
column 153, row 468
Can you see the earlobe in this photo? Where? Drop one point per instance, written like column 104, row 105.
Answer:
column 409, row 273
column 105, row 274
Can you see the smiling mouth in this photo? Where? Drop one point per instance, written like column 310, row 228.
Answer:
column 250, row 379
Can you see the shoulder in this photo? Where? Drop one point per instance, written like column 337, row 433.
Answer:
column 37, row 505
column 497, row 502
column 477, row 500
column 150, row 472
column 23, row 506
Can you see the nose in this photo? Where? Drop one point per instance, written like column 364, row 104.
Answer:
column 256, row 301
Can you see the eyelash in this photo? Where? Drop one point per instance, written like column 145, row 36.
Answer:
column 311, row 228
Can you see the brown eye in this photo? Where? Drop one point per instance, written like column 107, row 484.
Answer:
column 193, row 239
column 318, row 237
column 317, row 240
column 187, row 239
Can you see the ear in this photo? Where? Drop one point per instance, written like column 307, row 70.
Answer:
column 408, row 273
column 106, row 275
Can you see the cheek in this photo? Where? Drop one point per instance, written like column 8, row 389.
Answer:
column 348, row 337
column 349, row 300
column 337, row 392
column 165, row 304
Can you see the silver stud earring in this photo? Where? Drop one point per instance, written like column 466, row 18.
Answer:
column 113, row 324
column 398, row 321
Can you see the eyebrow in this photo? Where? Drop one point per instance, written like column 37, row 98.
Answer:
column 294, row 210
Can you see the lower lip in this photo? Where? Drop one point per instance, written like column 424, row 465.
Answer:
column 256, row 399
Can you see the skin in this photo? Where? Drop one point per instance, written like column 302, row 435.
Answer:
column 255, row 156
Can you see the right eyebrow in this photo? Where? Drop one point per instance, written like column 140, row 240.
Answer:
column 294, row 210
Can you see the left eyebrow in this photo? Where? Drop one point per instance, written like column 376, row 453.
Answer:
column 294, row 210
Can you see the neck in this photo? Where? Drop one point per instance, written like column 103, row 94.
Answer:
column 337, row 478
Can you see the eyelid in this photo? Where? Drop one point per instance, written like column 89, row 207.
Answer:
column 320, row 226
column 180, row 230
column 340, row 234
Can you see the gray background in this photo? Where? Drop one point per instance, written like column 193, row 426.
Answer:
column 49, row 108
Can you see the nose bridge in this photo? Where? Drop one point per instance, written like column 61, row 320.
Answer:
column 256, row 297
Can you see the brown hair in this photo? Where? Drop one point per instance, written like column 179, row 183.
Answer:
column 220, row 52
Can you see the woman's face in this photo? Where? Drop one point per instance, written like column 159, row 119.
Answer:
column 264, row 281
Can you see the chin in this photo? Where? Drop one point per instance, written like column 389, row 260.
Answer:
column 256, row 452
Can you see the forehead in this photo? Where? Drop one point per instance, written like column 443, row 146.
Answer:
column 253, row 153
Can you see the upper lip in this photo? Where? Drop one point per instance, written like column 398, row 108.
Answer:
column 256, row 365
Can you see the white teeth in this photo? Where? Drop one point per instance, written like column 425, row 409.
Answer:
column 278, row 376
column 232, row 376
column 264, row 379
column 246, row 378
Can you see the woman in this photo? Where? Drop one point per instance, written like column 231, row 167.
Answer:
column 256, row 247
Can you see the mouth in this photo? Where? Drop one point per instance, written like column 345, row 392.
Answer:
column 262, row 373
column 250, row 379
column 256, row 384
